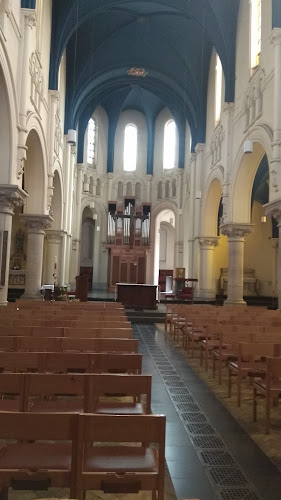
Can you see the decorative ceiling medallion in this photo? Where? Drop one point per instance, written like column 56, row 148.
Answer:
column 137, row 72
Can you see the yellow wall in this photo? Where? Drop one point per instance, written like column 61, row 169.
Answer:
column 220, row 258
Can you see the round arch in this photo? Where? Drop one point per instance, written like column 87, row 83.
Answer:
column 211, row 203
column 243, row 176
column 34, row 181
column 164, row 206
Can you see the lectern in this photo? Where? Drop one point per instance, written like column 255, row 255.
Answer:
column 82, row 288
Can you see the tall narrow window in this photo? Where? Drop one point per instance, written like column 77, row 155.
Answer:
column 218, row 89
column 130, row 147
column 169, row 152
column 255, row 32
column 91, row 141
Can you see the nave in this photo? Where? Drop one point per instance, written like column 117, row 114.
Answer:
column 235, row 467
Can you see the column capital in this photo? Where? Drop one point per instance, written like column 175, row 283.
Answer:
column 228, row 107
column 80, row 167
column 273, row 209
column 36, row 223
column 199, row 148
column 274, row 242
column 209, row 241
column 54, row 235
column 236, row 229
column 54, row 95
column 11, row 196
column 30, row 18
column 275, row 36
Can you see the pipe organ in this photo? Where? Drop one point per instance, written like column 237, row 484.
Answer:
column 128, row 241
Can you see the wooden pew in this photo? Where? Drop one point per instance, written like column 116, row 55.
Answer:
column 21, row 362
column 118, row 468
column 268, row 388
column 125, row 333
column 12, row 391
column 29, row 464
column 135, row 387
column 48, row 392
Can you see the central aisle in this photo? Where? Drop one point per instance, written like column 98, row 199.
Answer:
column 208, row 454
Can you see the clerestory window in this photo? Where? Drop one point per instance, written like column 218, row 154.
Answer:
column 218, row 89
column 169, row 150
column 91, row 147
column 255, row 30
column 130, row 147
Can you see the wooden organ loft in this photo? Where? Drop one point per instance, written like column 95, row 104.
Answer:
column 128, row 241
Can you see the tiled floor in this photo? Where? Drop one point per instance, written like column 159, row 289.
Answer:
column 209, row 455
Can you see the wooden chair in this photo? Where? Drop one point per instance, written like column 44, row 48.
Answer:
column 269, row 389
column 97, row 345
column 12, row 390
column 251, row 361
column 29, row 464
column 21, row 362
column 137, row 387
column 228, row 349
column 115, row 468
column 50, row 393
column 116, row 363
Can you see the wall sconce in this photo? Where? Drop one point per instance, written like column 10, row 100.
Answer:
column 71, row 137
column 263, row 218
column 248, row 147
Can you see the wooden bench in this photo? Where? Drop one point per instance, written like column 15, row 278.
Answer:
column 118, row 468
column 41, row 331
column 134, row 387
column 33, row 465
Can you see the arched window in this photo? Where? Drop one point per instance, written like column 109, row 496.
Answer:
column 130, row 147
column 255, row 32
column 91, row 145
column 218, row 89
column 169, row 152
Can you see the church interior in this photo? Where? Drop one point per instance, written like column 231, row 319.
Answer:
column 140, row 153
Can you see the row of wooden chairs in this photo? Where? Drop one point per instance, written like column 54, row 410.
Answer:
column 82, row 451
column 67, row 344
column 62, row 362
column 60, row 331
column 52, row 305
column 77, row 393
column 64, row 323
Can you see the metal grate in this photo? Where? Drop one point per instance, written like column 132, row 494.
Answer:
column 227, row 476
column 171, row 378
column 187, row 398
column 178, row 384
column 207, row 442
column 238, row 494
column 178, row 390
column 186, row 407
column 168, row 371
column 216, row 457
column 194, row 417
column 200, row 429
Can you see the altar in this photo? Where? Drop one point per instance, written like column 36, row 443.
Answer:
column 137, row 296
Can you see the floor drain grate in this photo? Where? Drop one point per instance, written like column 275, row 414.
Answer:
column 178, row 390
column 216, row 457
column 194, row 417
column 168, row 371
column 171, row 378
column 187, row 398
column 179, row 384
column 186, row 407
column 200, row 429
column 207, row 442
column 227, row 476
column 238, row 494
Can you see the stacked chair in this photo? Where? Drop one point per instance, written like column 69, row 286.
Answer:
column 245, row 340
column 75, row 409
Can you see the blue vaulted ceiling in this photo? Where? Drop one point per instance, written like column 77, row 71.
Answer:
column 171, row 39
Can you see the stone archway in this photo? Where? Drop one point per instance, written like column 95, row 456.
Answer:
column 164, row 243
column 53, row 254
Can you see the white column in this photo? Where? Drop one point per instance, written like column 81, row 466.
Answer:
column 275, row 166
column 207, row 285
column 235, row 233
column 54, row 254
column 275, row 245
column 76, row 225
column 109, row 185
column 199, row 150
column 191, row 215
column 29, row 22
column 148, row 188
column 10, row 197
column 273, row 209
column 36, row 225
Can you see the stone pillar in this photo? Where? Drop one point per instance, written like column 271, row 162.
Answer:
column 275, row 245
column 10, row 197
column 148, row 188
column 235, row 233
column 191, row 194
column 109, row 186
column 36, row 225
column 29, row 22
column 54, row 255
column 275, row 166
column 207, row 286
column 273, row 209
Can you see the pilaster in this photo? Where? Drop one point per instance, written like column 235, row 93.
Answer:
column 275, row 166
column 273, row 209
